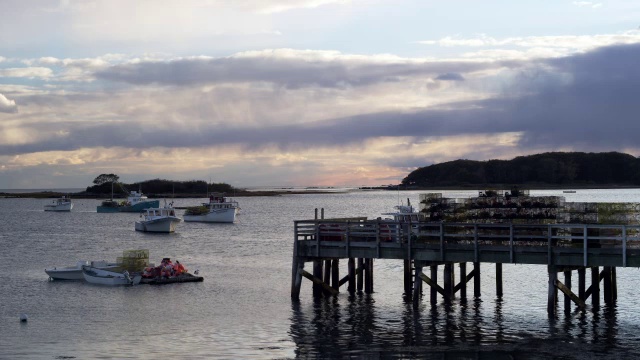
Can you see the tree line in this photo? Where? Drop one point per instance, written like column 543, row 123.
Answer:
column 546, row 169
column 102, row 186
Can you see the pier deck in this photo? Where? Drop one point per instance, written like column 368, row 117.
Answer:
column 562, row 247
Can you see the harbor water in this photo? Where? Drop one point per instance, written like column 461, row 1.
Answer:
column 243, row 308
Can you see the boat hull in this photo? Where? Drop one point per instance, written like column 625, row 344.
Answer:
column 140, row 207
column 164, row 225
column 213, row 216
column 59, row 207
column 103, row 277
column 75, row 272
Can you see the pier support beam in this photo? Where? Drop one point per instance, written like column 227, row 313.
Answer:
column 417, row 285
column 614, row 285
column 433, row 292
column 360, row 275
column 335, row 274
column 567, row 297
column 351, row 268
column 499, row 280
column 476, row 279
column 447, row 282
column 551, row 296
column 581, row 283
column 595, row 287
column 327, row 272
column 606, row 274
column 408, row 278
column 296, row 281
column 368, row 276
column 317, row 273
column 463, row 281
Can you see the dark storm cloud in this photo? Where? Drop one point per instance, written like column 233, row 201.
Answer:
column 594, row 108
column 288, row 72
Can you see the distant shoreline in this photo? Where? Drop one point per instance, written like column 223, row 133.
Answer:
column 252, row 193
column 82, row 195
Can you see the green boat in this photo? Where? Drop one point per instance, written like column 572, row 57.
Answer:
column 136, row 202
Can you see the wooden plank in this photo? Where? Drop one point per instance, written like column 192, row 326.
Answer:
column 467, row 278
column 319, row 282
column 433, row 285
column 346, row 278
column 570, row 294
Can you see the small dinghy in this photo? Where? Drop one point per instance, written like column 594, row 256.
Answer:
column 104, row 277
column 75, row 272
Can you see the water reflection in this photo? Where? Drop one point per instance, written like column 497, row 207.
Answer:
column 357, row 326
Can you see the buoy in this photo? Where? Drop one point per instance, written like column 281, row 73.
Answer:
column 23, row 317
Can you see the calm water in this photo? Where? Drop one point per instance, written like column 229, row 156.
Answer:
column 243, row 308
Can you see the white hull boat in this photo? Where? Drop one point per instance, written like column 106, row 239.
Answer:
column 104, row 277
column 162, row 220
column 75, row 272
column 219, row 209
column 405, row 213
column 61, row 204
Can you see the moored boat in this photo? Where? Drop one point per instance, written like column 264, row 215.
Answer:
column 405, row 213
column 219, row 209
column 136, row 202
column 163, row 220
column 104, row 277
column 75, row 272
column 61, row 204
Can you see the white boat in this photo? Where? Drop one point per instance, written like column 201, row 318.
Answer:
column 104, row 277
column 219, row 209
column 62, row 204
column 75, row 272
column 405, row 213
column 162, row 220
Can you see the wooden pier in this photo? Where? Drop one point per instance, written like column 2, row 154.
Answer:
column 426, row 247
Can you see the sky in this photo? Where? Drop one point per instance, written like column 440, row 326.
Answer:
column 307, row 92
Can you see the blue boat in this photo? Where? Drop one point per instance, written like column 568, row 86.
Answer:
column 136, row 202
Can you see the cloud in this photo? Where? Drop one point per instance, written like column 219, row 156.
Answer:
column 578, row 102
column 590, row 4
column 286, row 67
column 7, row 106
column 27, row 72
column 573, row 42
column 450, row 77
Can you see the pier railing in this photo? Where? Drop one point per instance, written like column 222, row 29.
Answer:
column 552, row 244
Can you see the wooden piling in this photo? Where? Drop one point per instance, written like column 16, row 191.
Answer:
column 317, row 273
column 327, row 272
column 433, row 292
column 567, row 298
column 476, row 279
column 335, row 274
column 614, row 284
column 607, row 285
column 595, row 286
column 351, row 269
column 368, row 281
column 551, row 295
column 448, row 287
column 297, row 280
column 499, row 280
column 360, row 275
column 408, row 278
column 581, row 283
column 417, row 284
column 463, row 281
column 371, row 276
